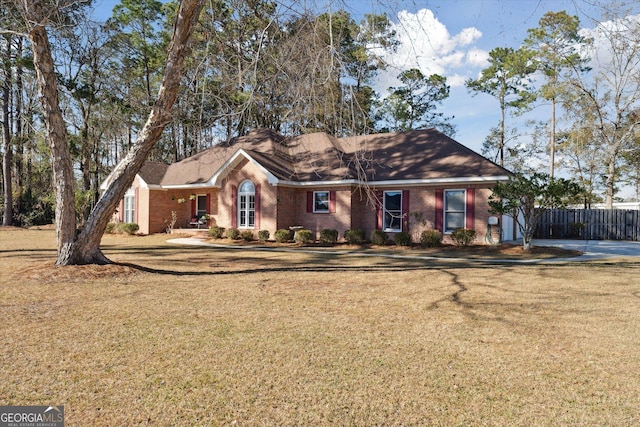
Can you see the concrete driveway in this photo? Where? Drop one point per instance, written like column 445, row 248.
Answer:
column 594, row 249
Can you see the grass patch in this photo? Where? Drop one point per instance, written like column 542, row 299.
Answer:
column 178, row 335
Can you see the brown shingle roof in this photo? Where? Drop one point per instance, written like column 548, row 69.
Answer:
column 152, row 172
column 418, row 154
column 415, row 155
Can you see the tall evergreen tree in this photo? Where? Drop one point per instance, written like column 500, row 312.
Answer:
column 506, row 79
column 556, row 45
column 413, row 105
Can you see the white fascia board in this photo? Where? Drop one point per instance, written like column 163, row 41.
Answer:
column 184, row 186
column 319, row 183
column 143, row 183
column 436, row 181
column 399, row 183
column 216, row 179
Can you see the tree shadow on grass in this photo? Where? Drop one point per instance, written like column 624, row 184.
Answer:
column 292, row 268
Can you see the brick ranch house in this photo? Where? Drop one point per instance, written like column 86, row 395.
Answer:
column 394, row 182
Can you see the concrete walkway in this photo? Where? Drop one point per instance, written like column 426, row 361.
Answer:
column 595, row 249
column 592, row 250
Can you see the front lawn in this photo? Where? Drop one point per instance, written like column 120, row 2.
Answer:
column 179, row 335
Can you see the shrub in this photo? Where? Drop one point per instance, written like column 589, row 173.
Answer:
column 216, row 232
column 263, row 235
column 379, row 237
column 282, row 235
column 463, row 236
column 403, row 239
column 303, row 236
column 111, row 228
column 354, row 237
column 129, row 228
column 233, row 233
column 328, row 236
column 247, row 235
column 431, row 238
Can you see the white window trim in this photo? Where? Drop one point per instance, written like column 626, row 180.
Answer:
column 445, row 211
column 384, row 211
column 129, row 206
column 247, row 210
column 328, row 193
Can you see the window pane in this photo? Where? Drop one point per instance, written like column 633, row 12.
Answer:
column 252, row 219
column 454, row 220
column 391, row 220
column 128, row 213
column 393, row 200
column 247, row 187
column 252, row 202
column 201, row 205
column 392, row 210
column 455, row 201
column 243, row 218
column 321, row 201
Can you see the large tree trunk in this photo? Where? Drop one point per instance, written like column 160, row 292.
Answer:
column 63, row 179
column 7, row 159
column 84, row 248
column 552, row 139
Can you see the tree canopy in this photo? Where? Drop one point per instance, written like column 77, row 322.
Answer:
column 526, row 197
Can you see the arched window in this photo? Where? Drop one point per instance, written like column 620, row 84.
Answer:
column 246, row 205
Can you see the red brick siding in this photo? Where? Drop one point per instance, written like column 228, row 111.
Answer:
column 287, row 207
column 339, row 220
column 163, row 202
column 268, row 196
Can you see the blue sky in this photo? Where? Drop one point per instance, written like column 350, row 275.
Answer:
column 452, row 38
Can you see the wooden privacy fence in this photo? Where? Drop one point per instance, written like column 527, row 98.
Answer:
column 589, row 224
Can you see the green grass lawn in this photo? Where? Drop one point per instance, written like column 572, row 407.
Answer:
column 187, row 336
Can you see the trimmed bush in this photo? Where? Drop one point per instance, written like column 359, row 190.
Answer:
column 247, row 235
column 263, row 235
column 402, row 239
column 111, row 228
column 354, row 237
column 233, row 233
column 379, row 237
column 463, row 236
column 303, row 237
column 282, row 235
column 328, row 236
column 216, row 232
column 431, row 238
column 129, row 228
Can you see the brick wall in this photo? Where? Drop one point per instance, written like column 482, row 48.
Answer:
column 422, row 211
column 286, row 207
column 268, row 196
column 283, row 207
column 339, row 220
column 163, row 202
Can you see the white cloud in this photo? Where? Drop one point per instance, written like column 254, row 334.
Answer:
column 478, row 58
column 456, row 80
column 468, row 36
column 608, row 36
column 427, row 44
